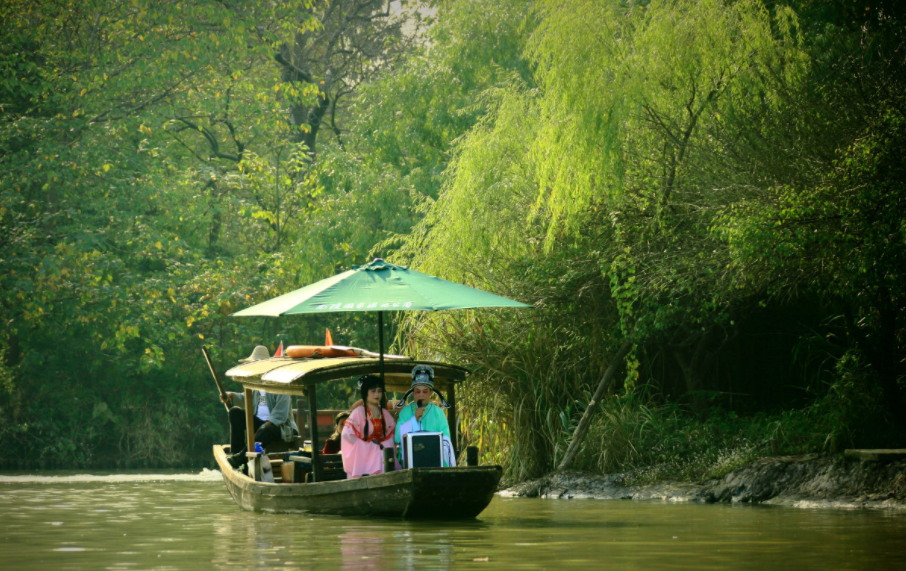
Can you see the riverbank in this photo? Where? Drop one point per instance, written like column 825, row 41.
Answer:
column 795, row 481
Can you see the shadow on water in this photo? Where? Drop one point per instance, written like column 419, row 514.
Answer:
column 189, row 521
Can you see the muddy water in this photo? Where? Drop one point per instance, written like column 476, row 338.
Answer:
column 173, row 521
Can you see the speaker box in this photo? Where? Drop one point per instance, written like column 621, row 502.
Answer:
column 423, row 450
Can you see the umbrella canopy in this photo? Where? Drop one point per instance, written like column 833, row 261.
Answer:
column 378, row 286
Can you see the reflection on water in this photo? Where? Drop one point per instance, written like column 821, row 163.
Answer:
column 362, row 549
column 189, row 522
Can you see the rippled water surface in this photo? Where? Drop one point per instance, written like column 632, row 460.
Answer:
column 190, row 522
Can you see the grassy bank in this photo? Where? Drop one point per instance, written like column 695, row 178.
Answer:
column 650, row 438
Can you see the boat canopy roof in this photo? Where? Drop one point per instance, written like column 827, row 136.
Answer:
column 284, row 375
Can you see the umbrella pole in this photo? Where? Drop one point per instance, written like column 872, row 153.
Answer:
column 380, row 324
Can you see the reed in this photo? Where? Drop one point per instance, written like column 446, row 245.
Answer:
column 167, row 433
column 643, row 436
column 527, row 387
column 533, row 373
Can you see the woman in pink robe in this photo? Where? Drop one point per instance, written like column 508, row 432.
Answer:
column 368, row 430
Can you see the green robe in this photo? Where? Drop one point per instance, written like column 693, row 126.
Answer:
column 434, row 420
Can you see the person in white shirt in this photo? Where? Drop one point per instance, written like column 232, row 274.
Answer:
column 273, row 418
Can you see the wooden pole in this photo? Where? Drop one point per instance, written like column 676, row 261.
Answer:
column 380, row 321
column 313, row 432
column 207, row 357
column 249, row 421
column 582, row 429
column 452, row 420
column 300, row 413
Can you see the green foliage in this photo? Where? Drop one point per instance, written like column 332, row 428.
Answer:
column 703, row 175
column 844, row 238
column 409, row 118
column 7, row 377
column 636, row 127
column 852, row 414
column 391, row 163
column 649, row 440
column 721, row 181
column 481, row 214
column 153, row 179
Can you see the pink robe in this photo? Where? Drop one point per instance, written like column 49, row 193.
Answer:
column 360, row 457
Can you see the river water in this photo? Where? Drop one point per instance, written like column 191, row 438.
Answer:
column 189, row 521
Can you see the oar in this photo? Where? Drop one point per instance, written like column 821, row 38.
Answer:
column 207, row 358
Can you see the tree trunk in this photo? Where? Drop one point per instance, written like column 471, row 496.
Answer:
column 314, row 118
column 603, row 385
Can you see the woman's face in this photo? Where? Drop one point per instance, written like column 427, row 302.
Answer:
column 421, row 393
column 374, row 395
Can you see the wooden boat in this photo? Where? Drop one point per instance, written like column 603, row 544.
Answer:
column 448, row 493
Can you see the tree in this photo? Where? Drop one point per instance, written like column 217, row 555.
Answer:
column 129, row 229
column 352, row 41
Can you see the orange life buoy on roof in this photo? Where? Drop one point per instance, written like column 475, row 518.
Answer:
column 315, row 351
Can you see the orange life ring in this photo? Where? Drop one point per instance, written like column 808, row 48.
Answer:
column 316, row 351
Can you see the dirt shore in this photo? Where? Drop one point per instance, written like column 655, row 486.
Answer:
column 796, row 481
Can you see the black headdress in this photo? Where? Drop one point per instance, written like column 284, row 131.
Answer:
column 423, row 375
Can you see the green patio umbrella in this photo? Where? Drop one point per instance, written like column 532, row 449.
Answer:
column 378, row 286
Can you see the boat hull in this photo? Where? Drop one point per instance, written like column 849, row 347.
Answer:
column 435, row 493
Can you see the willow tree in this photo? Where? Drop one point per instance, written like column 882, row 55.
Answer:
column 633, row 91
column 639, row 100
column 590, row 189
column 630, row 96
column 630, row 99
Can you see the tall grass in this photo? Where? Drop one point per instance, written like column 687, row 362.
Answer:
column 526, row 385
column 640, row 434
column 166, row 433
column 531, row 383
